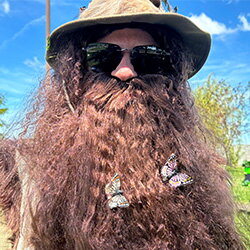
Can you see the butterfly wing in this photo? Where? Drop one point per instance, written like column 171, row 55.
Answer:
column 118, row 201
column 180, row 179
column 170, row 167
column 113, row 187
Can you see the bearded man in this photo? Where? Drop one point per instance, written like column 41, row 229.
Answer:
column 115, row 156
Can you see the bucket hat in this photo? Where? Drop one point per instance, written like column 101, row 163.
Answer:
column 111, row 12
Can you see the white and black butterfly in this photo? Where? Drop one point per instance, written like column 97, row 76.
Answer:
column 170, row 173
column 114, row 193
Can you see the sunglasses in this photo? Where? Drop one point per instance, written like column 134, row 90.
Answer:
column 146, row 59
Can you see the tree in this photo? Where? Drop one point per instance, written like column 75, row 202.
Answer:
column 2, row 111
column 223, row 110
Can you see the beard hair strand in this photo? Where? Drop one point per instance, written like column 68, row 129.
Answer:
column 131, row 129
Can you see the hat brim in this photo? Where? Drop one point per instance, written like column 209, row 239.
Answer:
column 197, row 41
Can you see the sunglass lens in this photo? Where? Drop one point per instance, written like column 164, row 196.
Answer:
column 150, row 60
column 103, row 57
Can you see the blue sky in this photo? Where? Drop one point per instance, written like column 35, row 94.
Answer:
column 22, row 42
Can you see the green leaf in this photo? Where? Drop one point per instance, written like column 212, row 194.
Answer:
column 2, row 111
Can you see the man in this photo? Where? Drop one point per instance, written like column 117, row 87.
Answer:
column 115, row 157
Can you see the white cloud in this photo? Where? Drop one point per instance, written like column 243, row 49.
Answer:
column 211, row 26
column 17, row 85
column 245, row 24
column 35, row 64
column 5, row 7
column 28, row 25
column 232, row 71
column 231, row 1
column 22, row 30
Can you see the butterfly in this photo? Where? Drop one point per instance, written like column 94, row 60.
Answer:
column 114, row 193
column 170, row 173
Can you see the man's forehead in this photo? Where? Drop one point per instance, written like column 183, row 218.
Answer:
column 127, row 36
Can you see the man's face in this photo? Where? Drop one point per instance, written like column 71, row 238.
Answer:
column 127, row 39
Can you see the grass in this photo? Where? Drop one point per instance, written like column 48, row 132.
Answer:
column 241, row 193
column 241, row 196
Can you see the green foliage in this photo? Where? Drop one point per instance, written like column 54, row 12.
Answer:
column 223, row 111
column 246, row 164
column 241, row 196
column 241, row 193
column 2, row 111
column 242, row 224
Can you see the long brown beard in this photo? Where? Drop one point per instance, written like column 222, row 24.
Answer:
column 130, row 129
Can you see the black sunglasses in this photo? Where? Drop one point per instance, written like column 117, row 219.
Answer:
column 146, row 59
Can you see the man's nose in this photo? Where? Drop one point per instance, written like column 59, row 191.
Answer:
column 125, row 70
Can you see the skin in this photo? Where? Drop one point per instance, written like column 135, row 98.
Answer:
column 127, row 39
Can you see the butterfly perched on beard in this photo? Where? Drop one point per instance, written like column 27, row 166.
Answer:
column 114, row 194
column 170, row 173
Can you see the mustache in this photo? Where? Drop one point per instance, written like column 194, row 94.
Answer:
column 105, row 91
column 151, row 95
column 140, row 82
